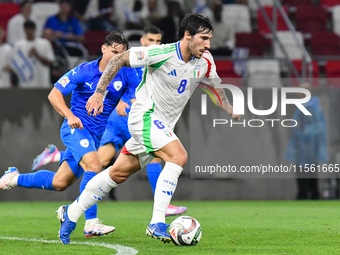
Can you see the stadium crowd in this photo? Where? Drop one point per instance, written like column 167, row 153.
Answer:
column 71, row 32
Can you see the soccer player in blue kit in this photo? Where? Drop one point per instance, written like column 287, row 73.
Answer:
column 81, row 133
column 117, row 132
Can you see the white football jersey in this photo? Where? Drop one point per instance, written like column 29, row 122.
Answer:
column 5, row 53
column 31, row 72
column 168, row 82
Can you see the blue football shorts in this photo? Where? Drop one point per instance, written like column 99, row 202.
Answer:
column 116, row 133
column 78, row 142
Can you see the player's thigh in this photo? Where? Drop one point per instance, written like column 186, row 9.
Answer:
column 72, row 163
column 117, row 134
column 64, row 177
column 125, row 165
column 173, row 152
column 156, row 160
column 91, row 162
column 106, row 153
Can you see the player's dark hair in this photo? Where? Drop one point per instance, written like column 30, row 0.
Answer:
column 194, row 24
column 151, row 29
column 115, row 37
column 29, row 24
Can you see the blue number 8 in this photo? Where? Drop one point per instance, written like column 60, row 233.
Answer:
column 181, row 87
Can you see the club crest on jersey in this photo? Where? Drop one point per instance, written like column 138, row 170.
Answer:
column 197, row 71
column 64, row 81
column 139, row 55
column 117, row 85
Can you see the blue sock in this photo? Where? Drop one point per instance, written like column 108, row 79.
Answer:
column 153, row 171
column 40, row 180
column 90, row 213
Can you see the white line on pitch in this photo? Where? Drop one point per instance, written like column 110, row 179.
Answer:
column 121, row 249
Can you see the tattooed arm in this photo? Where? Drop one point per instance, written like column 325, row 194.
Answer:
column 95, row 102
column 225, row 103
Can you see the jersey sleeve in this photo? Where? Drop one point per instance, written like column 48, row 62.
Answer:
column 211, row 77
column 154, row 54
column 133, row 82
column 69, row 81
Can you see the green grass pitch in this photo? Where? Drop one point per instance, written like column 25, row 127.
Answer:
column 228, row 227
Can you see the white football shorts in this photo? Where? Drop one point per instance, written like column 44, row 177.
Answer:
column 149, row 133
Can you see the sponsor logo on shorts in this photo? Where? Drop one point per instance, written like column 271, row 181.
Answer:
column 64, row 81
column 85, row 143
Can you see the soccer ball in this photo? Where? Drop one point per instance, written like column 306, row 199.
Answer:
column 185, row 231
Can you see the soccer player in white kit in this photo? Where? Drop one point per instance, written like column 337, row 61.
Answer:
column 172, row 72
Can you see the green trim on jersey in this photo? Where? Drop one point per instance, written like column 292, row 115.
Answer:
column 159, row 64
column 143, row 80
column 147, row 130
column 159, row 51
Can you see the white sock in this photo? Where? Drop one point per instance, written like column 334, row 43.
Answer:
column 94, row 191
column 57, row 157
column 14, row 181
column 91, row 222
column 165, row 187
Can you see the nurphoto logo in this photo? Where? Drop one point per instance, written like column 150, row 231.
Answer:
column 239, row 105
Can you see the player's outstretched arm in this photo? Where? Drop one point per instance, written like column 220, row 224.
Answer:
column 226, row 104
column 95, row 102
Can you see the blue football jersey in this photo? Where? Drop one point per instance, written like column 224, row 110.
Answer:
column 82, row 82
column 140, row 71
column 114, row 118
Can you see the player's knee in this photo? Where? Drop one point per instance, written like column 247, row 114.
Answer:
column 60, row 186
column 105, row 162
column 119, row 177
column 180, row 159
column 94, row 167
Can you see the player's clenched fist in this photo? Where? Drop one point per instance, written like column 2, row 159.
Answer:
column 75, row 122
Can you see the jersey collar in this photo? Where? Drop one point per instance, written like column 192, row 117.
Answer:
column 98, row 61
column 179, row 54
column 178, row 51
